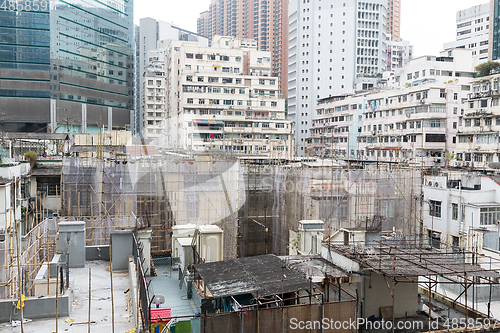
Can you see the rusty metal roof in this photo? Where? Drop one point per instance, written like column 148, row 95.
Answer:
column 260, row 276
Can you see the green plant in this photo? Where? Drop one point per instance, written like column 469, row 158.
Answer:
column 294, row 243
column 487, row 68
column 31, row 155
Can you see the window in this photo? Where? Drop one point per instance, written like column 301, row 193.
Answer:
column 489, row 216
column 435, row 208
column 454, row 211
column 52, row 184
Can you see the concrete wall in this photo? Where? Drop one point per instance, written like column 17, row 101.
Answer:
column 377, row 294
column 72, row 240
column 97, row 252
column 35, row 308
column 121, row 249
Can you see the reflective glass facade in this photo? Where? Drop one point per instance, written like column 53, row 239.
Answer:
column 495, row 21
column 25, row 39
column 75, row 52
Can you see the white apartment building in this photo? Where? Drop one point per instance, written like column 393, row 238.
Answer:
column 150, row 33
column 415, row 122
column 223, row 98
column 154, row 107
column 336, row 126
column 335, row 47
column 399, row 52
column 473, row 31
column 479, row 126
column 461, row 210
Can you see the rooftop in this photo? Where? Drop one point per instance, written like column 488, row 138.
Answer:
column 260, row 276
column 100, row 304
column 413, row 262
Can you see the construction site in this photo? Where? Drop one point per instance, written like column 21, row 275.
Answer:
column 255, row 202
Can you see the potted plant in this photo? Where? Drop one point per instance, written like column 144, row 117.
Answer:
column 31, row 156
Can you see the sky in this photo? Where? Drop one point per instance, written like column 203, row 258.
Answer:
column 427, row 24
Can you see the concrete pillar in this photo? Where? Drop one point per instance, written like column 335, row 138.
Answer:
column 53, row 115
column 144, row 237
column 84, row 118
column 110, row 118
column 72, row 242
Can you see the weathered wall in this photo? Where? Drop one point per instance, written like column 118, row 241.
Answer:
column 377, row 294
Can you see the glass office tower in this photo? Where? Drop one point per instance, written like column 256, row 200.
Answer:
column 68, row 65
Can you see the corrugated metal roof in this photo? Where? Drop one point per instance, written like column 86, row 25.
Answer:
column 260, row 276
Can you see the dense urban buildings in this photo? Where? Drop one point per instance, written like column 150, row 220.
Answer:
column 67, row 67
column 415, row 123
column 223, row 98
column 399, row 52
column 477, row 144
column 334, row 48
column 394, row 18
column 151, row 32
column 473, row 31
column 263, row 20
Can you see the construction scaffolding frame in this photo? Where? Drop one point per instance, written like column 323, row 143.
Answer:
column 429, row 268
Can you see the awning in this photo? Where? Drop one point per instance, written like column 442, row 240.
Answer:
column 208, row 122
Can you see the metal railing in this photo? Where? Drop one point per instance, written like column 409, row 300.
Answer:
column 145, row 294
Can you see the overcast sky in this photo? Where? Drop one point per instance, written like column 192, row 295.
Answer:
column 427, row 24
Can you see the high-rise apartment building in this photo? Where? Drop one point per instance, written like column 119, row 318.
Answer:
column 222, row 98
column 266, row 21
column 394, row 18
column 151, row 33
column 473, row 31
column 334, row 47
column 67, row 66
column 202, row 23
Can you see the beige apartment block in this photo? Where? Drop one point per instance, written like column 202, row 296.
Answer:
column 223, row 98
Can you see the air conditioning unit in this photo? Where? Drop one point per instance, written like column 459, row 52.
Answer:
column 267, row 141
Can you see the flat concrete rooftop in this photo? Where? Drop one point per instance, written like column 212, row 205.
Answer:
column 167, row 283
column 100, row 303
